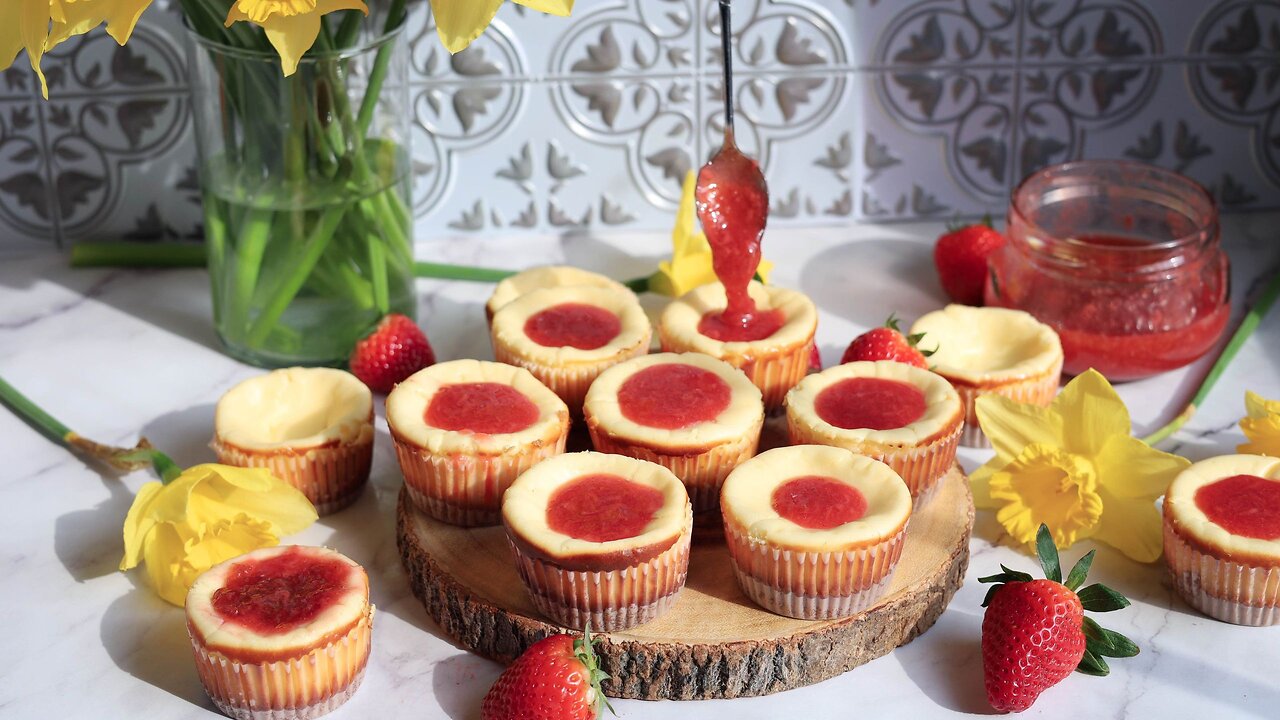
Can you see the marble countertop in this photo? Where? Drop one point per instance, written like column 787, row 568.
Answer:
column 115, row 353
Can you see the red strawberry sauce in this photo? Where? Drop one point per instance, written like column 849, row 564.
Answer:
column 279, row 594
column 601, row 508
column 818, row 503
column 733, row 205
column 872, row 403
column 1245, row 505
column 673, row 396
column 486, row 408
column 576, row 325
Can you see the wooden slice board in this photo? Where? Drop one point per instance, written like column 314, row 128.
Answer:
column 714, row 643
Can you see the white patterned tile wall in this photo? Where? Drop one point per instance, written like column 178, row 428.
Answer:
column 870, row 110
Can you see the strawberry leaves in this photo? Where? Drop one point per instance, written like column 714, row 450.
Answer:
column 584, row 650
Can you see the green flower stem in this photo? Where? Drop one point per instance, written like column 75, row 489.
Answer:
column 444, row 271
column 288, row 289
column 52, row 428
column 378, row 274
column 1242, row 334
column 250, row 249
column 139, row 254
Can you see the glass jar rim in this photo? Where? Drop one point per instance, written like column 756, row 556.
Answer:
column 312, row 55
column 1198, row 197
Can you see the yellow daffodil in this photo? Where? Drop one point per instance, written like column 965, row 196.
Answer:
column 1262, row 426
column 1074, row 466
column 25, row 25
column 690, row 263
column 458, row 22
column 208, row 514
column 290, row 25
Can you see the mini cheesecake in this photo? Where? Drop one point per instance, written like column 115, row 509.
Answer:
column 992, row 350
column 545, row 276
column 1222, row 537
column 908, row 418
column 311, row 427
column 567, row 336
column 814, row 532
column 464, row 430
column 599, row 540
column 281, row 632
column 774, row 354
column 695, row 415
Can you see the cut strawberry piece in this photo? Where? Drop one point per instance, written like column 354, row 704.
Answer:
column 396, row 349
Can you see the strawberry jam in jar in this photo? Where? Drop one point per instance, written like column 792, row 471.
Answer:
column 1123, row 259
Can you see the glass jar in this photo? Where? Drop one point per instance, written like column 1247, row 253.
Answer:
column 1122, row 258
column 306, row 192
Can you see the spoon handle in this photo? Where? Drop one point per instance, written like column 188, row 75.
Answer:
column 726, row 44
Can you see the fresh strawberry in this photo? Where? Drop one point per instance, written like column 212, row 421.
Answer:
column 961, row 257
column 1035, row 632
column 555, row 679
column 396, row 349
column 887, row 343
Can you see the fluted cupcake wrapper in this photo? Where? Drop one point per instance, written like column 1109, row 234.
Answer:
column 919, row 466
column 812, row 585
column 299, row 688
column 331, row 477
column 1038, row 390
column 702, row 474
column 774, row 375
column 570, row 383
column 1225, row 590
column 608, row 600
column 466, row 490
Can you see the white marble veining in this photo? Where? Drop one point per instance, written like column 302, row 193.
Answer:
column 115, row 353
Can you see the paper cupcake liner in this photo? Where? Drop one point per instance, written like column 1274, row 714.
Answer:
column 812, row 585
column 331, row 477
column 774, row 375
column 919, row 466
column 570, row 383
column 466, row 490
column 609, row 600
column 297, row 688
column 1038, row 390
column 702, row 474
column 1228, row 591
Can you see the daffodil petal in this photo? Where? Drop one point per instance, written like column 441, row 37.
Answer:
column 254, row 492
column 292, row 37
column 1260, row 407
column 459, row 22
column 980, row 484
column 32, row 29
column 138, row 523
column 1091, row 413
column 1012, row 426
column 229, row 539
column 1132, row 526
column 1263, row 434
column 1131, row 469
column 164, row 559
column 551, row 7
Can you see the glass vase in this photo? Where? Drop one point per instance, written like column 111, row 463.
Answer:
column 306, row 190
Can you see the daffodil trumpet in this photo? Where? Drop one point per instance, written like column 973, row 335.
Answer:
column 191, row 519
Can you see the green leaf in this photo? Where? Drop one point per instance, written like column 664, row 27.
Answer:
column 991, row 593
column 1091, row 664
column 1107, row 643
column 1048, row 553
column 1006, row 577
column 1100, row 598
column 1080, row 571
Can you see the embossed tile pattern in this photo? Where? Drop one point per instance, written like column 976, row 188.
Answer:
column 870, row 110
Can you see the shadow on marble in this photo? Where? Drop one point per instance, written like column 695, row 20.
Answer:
column 89, row 542
column 837, row 281
column 459, row 684
column 1191, row 673
column 184, row 435
column 147, row 638
column 946, row 663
